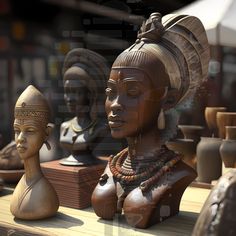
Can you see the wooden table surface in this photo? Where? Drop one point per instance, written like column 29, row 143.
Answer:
column 70, row 221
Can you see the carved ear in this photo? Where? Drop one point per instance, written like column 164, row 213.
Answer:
column 171, row 99
column 159, row 94
column 49, row 129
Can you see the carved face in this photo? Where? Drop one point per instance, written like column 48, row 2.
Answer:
column 132, row 103
column 76, row 96
column 29, row 136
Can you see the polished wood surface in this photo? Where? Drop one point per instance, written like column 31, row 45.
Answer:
column 74, row 185
column 70, row 221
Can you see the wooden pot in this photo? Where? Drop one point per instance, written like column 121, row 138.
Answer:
column 228, row 147
column 210, row 117
column 225, row 119
column 209, row 164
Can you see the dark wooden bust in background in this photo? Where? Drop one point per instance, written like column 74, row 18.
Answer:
column 147, row 82
column 87, row 134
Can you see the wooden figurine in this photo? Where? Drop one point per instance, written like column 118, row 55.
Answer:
column 34, row 197
column 148, row 81
column 84, row 75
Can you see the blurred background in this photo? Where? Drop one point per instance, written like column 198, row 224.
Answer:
column 36, row 35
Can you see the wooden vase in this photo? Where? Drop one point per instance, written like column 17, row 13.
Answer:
column 210, row 117
column 209, row 164
column 225, row 119
column 228, row 147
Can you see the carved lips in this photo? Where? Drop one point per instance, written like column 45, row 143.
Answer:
column 115, row 122
column 21, row 148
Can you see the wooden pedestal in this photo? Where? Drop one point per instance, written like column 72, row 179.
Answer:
column 74, row 185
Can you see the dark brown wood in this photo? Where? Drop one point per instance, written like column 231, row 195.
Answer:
column 161, row 70
column 74, row 185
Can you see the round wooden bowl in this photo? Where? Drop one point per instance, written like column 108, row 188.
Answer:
column 225, row 119
column 11, row 176
column 187, row 147
column 191, row 131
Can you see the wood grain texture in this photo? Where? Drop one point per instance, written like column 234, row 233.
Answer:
column 74, row 184
column 70, row 221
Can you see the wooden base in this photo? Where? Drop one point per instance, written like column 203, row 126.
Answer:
column 74, row 185
column 198, row 184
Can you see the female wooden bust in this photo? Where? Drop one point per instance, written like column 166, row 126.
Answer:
column 34, row 197
column 157, row 73
column 85, row 74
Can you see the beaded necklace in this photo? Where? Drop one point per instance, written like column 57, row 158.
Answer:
column 165, row 160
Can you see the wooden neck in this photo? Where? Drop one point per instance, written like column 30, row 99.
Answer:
column 32, row 168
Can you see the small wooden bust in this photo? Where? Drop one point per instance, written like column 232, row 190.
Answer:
column 34, row 197
column 155, row 75
column 84, row 74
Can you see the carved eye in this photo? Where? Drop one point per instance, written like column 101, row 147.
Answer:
column 133, row 92
column 31, row 130
column 17, row 131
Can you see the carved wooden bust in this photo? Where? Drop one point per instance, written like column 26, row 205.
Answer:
column 84, row 74
column 34, row 197
column 147, row 81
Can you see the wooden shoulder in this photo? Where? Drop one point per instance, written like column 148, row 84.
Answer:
column 162, row 200
column 37, row 202
column 104, row 198
column 181, row 172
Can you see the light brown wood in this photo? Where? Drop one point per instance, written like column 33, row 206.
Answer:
column 70, row 221
column 34, row 197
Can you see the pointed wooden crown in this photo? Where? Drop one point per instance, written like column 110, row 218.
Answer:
column 32, row 105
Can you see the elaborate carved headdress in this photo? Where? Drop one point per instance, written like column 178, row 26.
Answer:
column 32, row 105
column 96, row 67
column 175, row 45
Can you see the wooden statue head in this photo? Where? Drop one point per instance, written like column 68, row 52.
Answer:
column 166, row 64
column 158, row 72
column 31, row 124
column 85, row 73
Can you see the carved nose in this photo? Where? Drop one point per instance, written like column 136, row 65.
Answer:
column 116, row 106
column 21, row 138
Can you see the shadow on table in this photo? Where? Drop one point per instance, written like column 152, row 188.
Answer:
column 179, row 225
column 6, row 191
column 60, row 220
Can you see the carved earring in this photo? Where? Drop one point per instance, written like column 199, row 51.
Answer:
column 47, row 145
column 161, row 120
